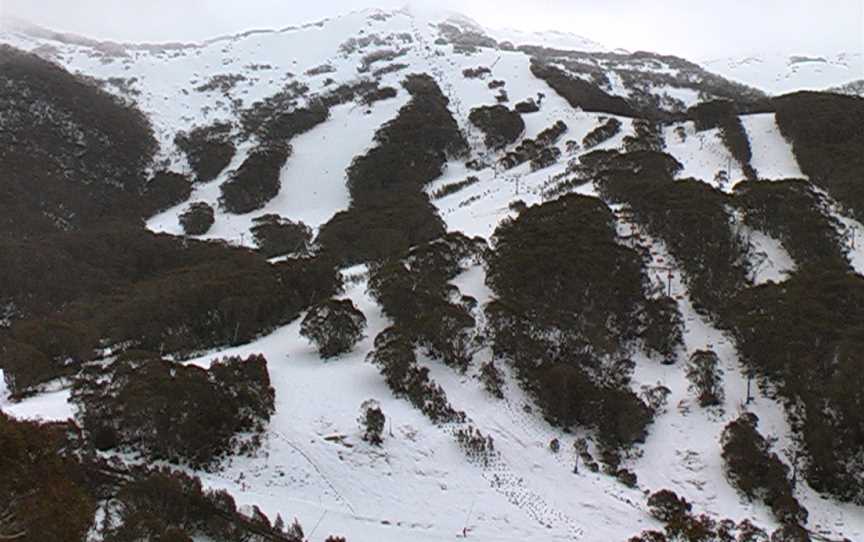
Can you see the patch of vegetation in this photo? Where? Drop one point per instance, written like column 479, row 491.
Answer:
column 648, row 137
column 197, row 219
column 394, row 355
column 209, row 149
column 383, row 55
column 41, row 491
column 825, row 131
column 257, row 181
column 681, row 525
column 416, row 295
column 224, row 83
column 500, row 125
column 569, row 349
column 277, row 236
column 177, row 413
column 390, row 68
column 534, row 150
column 792, row 212
column 757, row 472
column 580, row 93
column 266, row 118
column 50, row 482
column 126, row 288
column 723, row 114
column 479, row 72
column 83, row 148
column 165, row 190
column 335, row 326
column 706, row 378
column 452, row 188
column 389, row 211
column 693, row 219
column 805, row 337
column 527, row 106
column 606, row 131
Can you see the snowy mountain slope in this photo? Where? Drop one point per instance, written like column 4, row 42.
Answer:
column 778, row 74
column 420, row 485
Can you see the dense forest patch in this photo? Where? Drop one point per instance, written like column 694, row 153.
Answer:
column 606, row 131
column 197, row 219
column 277, row 236
column 209, row 149
column 537, row 151
column 805, row 337
column 827, row 137
column 500, row 125
column 580, row 93
column 126, row 287
column 176, row 413
column 389, row 211
column 569, row 300
column 51, row 481
column 756, row 471
column 257, row 181
column 794, row 213
column 692, row 218
column 84, row 149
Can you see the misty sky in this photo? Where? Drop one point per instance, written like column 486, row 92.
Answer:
column 698, row 29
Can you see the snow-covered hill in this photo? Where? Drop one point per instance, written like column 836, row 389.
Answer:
column 419, row 485
column 778, row 73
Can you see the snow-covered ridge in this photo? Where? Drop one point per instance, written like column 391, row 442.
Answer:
column 777, row 73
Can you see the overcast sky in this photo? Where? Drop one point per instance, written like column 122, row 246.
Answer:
column 698, row 29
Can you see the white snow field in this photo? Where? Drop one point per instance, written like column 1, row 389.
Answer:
column 777, row 73
column 419, row 485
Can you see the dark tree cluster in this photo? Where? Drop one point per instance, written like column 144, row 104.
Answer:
column 693, row 219
column 83, row 148
column 645, row 76
column 389, row 211
column 537, row 151
column 805, row 337
column 476, row 445
column 681, row 525
column 568, row 300
column 262, row 117
column 795, row 214
column 394, row 355
column 197, row 219
column 256, row 181
column 51, row 481
column 756, row 471
column 723, row 114
column 604, row 132
column 209, row 149
column 335, row 326
column 648, row 136
column 706, row 378
column 580, row 93
column 372, row 421
column 126, row 287
column 178, row 413
column 452, row 188
column 826, row 136
column 527, row 106
column 382, row 55
column 165, row 190
column 415, row 293
column 278, row 236
column 500, row 125
column 479, row 72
